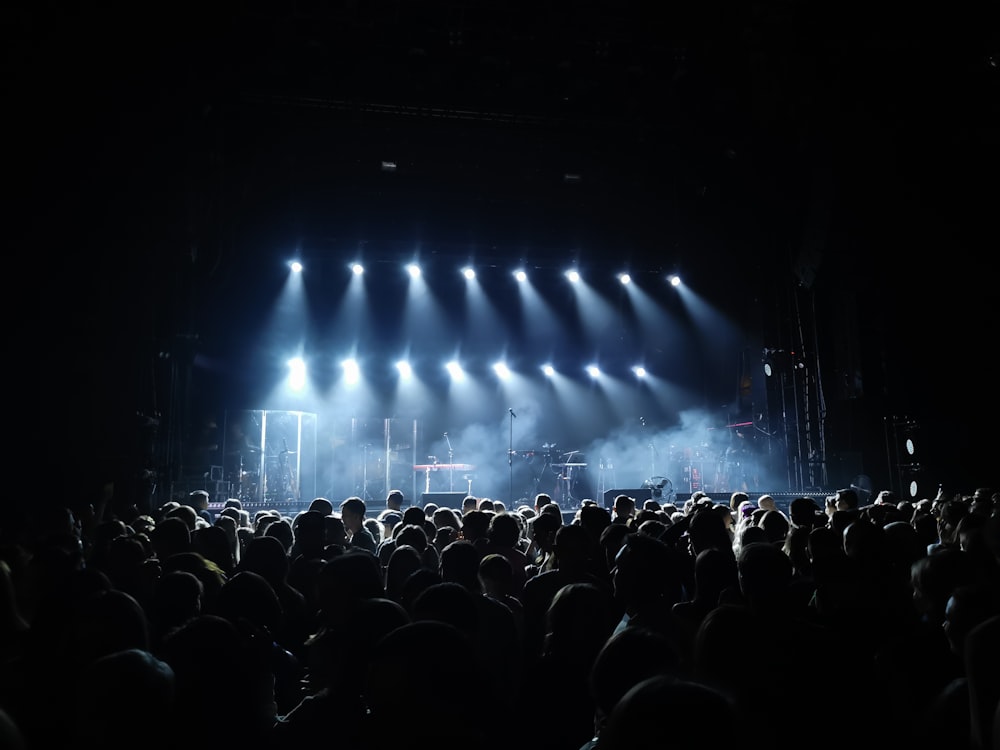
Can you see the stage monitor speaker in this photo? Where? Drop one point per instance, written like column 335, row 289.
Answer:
column 641, row 495
column 443, row 499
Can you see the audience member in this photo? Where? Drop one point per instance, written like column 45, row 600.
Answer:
column 171, row 632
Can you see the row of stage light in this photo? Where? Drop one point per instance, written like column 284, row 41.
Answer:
column 520, row 274
column 352, row 371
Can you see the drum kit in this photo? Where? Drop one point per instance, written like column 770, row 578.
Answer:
column 277, row 482
column 244, row 477
column 701, row 468
column 567, row 467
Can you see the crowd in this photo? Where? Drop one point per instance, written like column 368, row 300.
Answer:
column 828, row 623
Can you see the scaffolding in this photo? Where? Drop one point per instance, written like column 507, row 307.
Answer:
column 796, row 400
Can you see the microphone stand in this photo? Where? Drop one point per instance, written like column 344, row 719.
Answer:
column 652, row 449
column 451, row 464
column 510, row 462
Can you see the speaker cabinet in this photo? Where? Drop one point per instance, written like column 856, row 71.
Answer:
column 641, row 494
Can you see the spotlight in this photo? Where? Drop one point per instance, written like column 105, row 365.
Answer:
column 907, row 438
column 296, row 373
column 625, row 279
column 352, row 373
column 639, row 371
column 521, row 276
column 573, row 276
column 357, row 269
column 770, row 360
column 455, row 370
column 593, row 370
column 674, row 279
column 405, row 371
column 549, row 370
column 502, row 371
column 414, row 270
column 295, row 266
column 468, row 273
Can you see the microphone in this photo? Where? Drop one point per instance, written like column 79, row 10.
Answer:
column 512, row 413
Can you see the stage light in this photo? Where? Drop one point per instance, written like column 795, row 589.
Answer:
column 502, row 371
column 469, row 273
column 455, row 370
column 521, row 276
column 594, row 371
column 639, row 371
column 296, row 373
column 352, row 373
column 549, row 370
column 405, row 371
column 295, row 266
column 573, row 276
column 770, row 360
column 674, row 279
column 909, row 465
column 414, row 270
column 625, row 279
column 357, row 269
